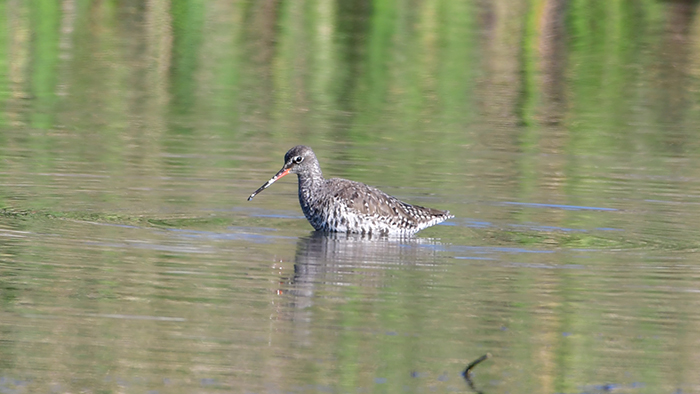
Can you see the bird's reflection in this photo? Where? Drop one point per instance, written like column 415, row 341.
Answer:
column 327, row 263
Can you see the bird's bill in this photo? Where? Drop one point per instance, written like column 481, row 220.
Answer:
column 280, row 174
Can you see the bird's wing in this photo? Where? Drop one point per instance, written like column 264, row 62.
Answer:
column 367, row 200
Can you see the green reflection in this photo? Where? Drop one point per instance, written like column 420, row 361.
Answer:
column 45, row 19
column 187, row 25
column 5, row 37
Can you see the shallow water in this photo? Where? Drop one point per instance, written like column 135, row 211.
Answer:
column 563, row 139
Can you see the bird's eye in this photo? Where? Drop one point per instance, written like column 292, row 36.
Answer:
column 298, row 159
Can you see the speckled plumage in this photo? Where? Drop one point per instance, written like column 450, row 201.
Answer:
column 341, row 205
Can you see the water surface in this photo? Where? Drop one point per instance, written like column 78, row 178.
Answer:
column 562, row 136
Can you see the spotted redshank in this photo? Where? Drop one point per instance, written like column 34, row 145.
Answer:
column 340, row 205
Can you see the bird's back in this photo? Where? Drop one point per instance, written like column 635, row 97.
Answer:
column 350, row 206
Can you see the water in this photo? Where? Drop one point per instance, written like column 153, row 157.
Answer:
column 562, row 136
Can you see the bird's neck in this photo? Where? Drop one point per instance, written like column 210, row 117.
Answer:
column 309, row 183
column 310, row 179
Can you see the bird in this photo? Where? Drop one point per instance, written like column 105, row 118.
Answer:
column 341, row 205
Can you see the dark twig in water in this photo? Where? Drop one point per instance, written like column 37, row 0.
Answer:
column 468, row 371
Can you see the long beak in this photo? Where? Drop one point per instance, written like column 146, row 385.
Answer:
column 284, row 171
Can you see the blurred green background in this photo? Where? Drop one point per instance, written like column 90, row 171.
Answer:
column 120, row 84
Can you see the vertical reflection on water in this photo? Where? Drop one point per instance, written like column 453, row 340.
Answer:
column 326, row 264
